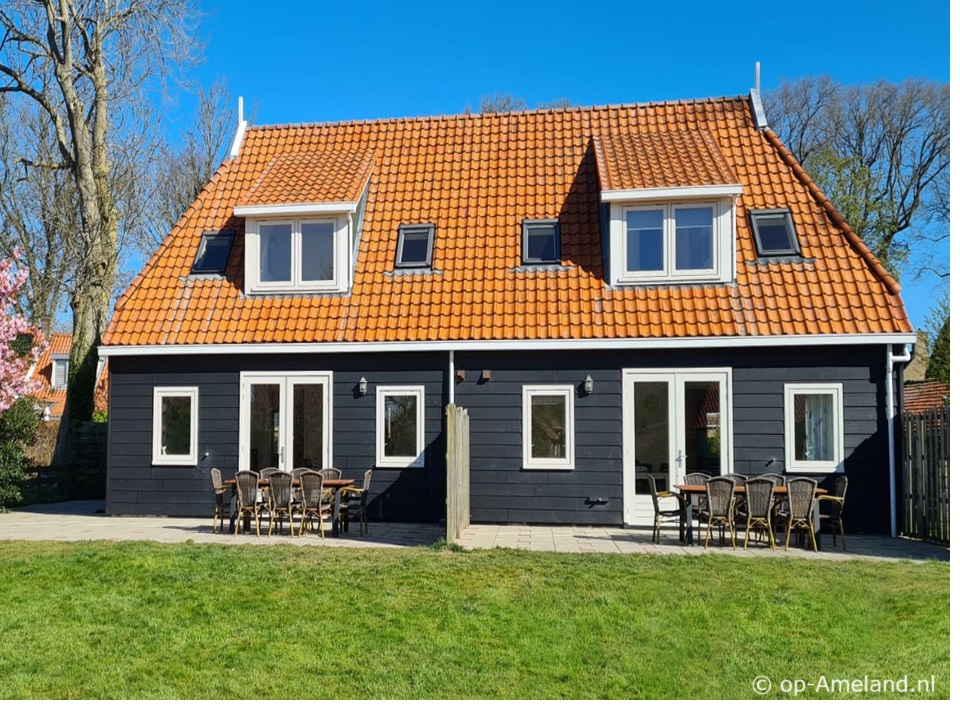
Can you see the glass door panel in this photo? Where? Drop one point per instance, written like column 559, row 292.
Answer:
column 264, row 425
column 651, row 403
column 702, row 427
column 307, row 425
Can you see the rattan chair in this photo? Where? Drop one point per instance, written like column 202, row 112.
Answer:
column 265, row 473
column 737, row 478
column 331, row 473
column 219, row 496
column 317, row 502
column 699, row 502
column 833, row 517
column 247, row 498
column 759, row 507
column 281, row 500
column 353, row 503
column 659, row 513
column 720, row 508
column 801, row 497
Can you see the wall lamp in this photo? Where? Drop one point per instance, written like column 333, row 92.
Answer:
column 587, row 385
column 362, row 386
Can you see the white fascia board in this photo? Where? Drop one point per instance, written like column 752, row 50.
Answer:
column 60, row 356
column 510, row 345
column 281, row 210
column 670, row 193
column 238, row 138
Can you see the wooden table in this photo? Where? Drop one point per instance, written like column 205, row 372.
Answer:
column 689, row 491
column 337, row 485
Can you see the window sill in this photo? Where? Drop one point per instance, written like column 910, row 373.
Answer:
column 178, row 461
column 815, row 467
column 548, row 466
column 395, row 463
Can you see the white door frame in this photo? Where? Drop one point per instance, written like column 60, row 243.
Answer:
column 676, row 379
column 286, row 381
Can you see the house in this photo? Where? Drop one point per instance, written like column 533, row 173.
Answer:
column 608, row 290
column 926, row 395
column 51, row 370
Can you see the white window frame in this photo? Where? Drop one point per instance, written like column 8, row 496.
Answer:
column 393, row 461
column 791, row 463
column 54, row 362
column 530, row 462
column 159, row 393
column 342, row 228
column 724, row 241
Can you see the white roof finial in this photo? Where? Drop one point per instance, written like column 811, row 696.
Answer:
column 241, row 129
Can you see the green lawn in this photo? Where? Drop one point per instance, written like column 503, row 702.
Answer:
column 141, row 620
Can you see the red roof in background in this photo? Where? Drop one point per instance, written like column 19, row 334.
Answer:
column 477, row 177
column 925, row 395
column 59, row 345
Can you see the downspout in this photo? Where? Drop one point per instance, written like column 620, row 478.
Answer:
column 891, row 359
column 450, row 380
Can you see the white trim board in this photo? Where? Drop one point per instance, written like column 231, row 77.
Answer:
column 752, row 341
column 671, row 193
column 282, row 209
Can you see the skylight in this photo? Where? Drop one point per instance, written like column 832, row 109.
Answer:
column 415, row 246
column 774, row 233
column 541, row 242
column 213, row 253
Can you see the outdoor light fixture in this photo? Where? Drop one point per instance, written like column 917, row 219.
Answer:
column 362, row 386
column 588, row 385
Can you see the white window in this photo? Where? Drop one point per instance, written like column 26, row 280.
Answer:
column 59, row 372
column 548, row 427
column 672, row 242
column 289, row 255
column 400, row 426
column 813, row 422
column 175, row 425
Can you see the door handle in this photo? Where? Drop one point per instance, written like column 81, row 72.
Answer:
column 680, row 458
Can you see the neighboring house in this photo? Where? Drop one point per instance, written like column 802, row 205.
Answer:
column 925, row 395
column 52, row 369
column 608, row 291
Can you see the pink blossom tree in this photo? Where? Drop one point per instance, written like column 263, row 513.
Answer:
column 14, row 364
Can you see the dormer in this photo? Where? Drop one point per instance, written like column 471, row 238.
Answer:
column 671, row 198
column 303, row 218
column 59, row 370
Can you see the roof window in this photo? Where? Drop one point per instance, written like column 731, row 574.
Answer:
column 213, row 253
column 774, row 233
column 415, row 246
column 541, row 242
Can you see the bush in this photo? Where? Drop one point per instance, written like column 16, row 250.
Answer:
column 18, row 430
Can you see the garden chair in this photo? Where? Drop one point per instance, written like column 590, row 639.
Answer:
column 658, row 513
column 219, row 496
column 832, row 517
column 353, row 502
column 281, row 500
column 720, row 508
column 759, row 506
column 331, row 473
column 699, row 502
column 317, row 502
column 801, row 499
column 248, row 503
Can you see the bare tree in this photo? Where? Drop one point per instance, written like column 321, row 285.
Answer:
column 504, row 102
column 88, row 67
column 880, row 152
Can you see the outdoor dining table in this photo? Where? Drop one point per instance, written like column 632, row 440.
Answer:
column 688, row 492
column 337, row 484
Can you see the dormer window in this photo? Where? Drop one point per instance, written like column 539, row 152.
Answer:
column 541, row 242
column 297, row 254
column 774, row 233
column 59, row 370
column 213, row 253
column 415, row 246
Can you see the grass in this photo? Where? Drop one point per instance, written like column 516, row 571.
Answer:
column 143, row 620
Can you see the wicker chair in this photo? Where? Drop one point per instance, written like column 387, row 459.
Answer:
column 720, row 508
column 331, row 473
column 832, row 518
column 316, row 503
column 759, row 506
column 801, row 497
column 219, row 496
column 281, row 500
column 265, row 473
column 247, row 498
column 354, row 503
column 699, row 501
column 737, row 478
column 658, row 513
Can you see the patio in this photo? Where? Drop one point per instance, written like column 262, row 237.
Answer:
column 84, row 520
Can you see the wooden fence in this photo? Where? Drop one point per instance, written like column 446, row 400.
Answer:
column 926, row 475
column 458, row 471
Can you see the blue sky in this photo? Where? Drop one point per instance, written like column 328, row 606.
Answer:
column 310, row 60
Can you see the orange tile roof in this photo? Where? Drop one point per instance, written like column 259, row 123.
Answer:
column 312, row 177
column 477, row 177
column 926, row 395
column 659, row 159
column 59, row 344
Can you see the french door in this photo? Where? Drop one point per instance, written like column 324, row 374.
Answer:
column 285, row 420
column 675, row 422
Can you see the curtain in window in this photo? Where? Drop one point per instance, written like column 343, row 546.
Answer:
column 818, row 419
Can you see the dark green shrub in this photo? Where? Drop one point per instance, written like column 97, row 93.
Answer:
column 18, row 430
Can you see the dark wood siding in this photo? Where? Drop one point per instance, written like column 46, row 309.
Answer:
column 501, row 491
